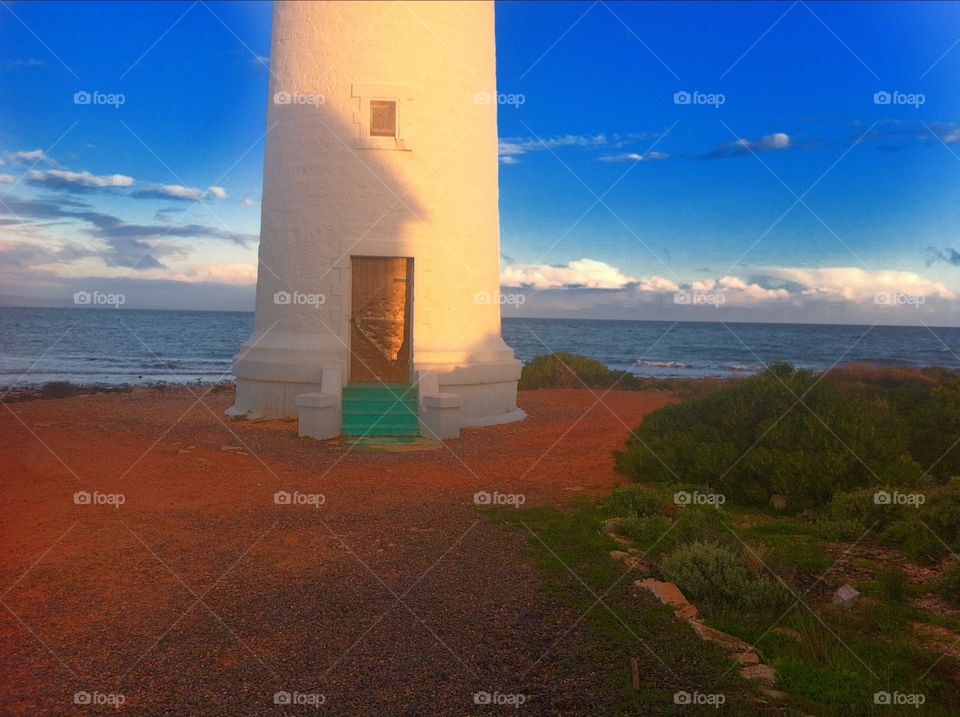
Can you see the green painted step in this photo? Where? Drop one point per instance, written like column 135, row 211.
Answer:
column 374, row 409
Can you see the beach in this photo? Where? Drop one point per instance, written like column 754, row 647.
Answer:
column 178, row 581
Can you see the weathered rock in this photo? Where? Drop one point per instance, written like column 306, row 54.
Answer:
column 610, row 525
column 778, row 502
column 774, row 694
column 630, row 561
column 747, row 658
column 760, row 673
column 670, row 594
column 717, row 637
column 846, row 596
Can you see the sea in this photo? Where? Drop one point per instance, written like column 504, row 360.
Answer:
column 113, row 347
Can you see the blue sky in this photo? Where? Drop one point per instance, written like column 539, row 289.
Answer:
column 783, row 187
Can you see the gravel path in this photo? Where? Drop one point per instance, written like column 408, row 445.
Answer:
column 201, row 595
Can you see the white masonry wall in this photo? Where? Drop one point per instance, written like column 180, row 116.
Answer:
column 331, row 192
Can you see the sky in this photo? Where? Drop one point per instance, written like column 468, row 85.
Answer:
column 757, row 161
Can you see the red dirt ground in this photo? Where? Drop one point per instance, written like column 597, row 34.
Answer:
column 200, row 595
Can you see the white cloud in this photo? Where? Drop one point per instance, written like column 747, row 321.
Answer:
column 236, row 274
column 508, row 159
column 777, row 140
column 859, row 285
column 634, row 157
column 587, row 273
column 63, row 179
column 737, row 289
column 30, row 155
column 247, row 201
column 178, row 191
column 6, row 179
column 657, row 284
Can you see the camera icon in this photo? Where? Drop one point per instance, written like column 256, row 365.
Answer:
column 682, row 698
column 482, row 98
column 82, row 98
column 481, row 297
column 682, row 98
column 881, row 297
column 282, row 497
column 882, row 98
column 81, row 497
column 282, row 297
column 282, row 698
column 482, row 497
column 882, row 698
column 82, row 297
column 82, row 698
column 282, row 97
column 682, row 497
column 682, row 297
column 482, row 698
column 882, row 497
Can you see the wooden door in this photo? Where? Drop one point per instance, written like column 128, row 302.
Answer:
column 380, row 329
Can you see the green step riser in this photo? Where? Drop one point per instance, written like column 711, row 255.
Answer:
column 376, row 433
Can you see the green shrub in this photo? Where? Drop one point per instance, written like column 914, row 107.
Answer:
column 59, row 389
column 707, row 572
column 566, row 370
column 892, row 583
column 646, row 531
column 916, row 541
column 947, row 584
column 782, row 431
column 942, row 513
column 840, row 529
column 634, row 501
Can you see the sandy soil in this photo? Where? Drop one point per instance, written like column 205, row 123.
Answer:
column 201, row 595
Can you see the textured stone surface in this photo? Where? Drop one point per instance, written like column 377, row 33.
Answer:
column 670, row 594
column 846, row 596
column 760, row 673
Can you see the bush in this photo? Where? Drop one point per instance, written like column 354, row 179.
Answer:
column 892, row 583
column 633, row 501
column 718, row 577
column 947, row 584
column 708, row 572
column 801, row 434
column 916, row 540
column 59, row 389
column 566, row 370
column 840, row 529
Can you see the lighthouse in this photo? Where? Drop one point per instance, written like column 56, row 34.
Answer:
column 377, row 307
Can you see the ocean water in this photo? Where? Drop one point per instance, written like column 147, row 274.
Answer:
column 119, row 346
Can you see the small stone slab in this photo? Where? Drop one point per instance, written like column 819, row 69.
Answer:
column 747, row 658
column 788, row 632
column 846, row 596
column 760, row 673
column 727, row 642
column 670, row 594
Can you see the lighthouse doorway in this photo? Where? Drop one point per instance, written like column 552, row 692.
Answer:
column 380, row 319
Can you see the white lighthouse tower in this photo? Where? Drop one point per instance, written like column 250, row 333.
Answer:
column 377, row 293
